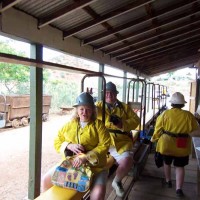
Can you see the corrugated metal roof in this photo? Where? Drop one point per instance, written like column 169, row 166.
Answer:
column 41, row 8
column 142, row 33
column 102, row 7
column 67, row 22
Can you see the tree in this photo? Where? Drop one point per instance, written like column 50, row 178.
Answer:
column 13, row 75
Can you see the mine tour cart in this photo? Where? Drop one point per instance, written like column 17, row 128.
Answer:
column 15, row 110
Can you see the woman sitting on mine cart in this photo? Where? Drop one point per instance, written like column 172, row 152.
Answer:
column 87, row 138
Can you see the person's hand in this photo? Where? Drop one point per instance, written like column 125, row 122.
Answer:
column 116, row 121
column 79, row 160
column 119, row 125
column 76, row 148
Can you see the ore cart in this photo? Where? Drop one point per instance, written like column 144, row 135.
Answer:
column 15, row 110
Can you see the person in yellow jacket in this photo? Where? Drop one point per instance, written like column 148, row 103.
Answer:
column 119, row 120
column 173, row 131
column 88, row 139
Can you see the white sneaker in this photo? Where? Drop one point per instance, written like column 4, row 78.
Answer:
column 118, row 188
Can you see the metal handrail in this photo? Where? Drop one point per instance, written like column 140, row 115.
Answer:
column 143, row 98
column 104, row 89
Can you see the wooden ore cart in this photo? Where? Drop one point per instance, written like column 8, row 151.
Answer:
column 15, row 110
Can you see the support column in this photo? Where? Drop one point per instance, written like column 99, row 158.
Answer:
column 100, row 81
column 35, row 144
column 124, row 87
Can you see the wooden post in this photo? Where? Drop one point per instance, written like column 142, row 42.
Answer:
column 35, row 145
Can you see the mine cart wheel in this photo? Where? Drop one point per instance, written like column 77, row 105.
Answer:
column 24, row 121
column 44, row 117
column 15, row 123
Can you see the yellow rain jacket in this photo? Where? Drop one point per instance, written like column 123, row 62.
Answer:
column 130, row 121
column 94, row 137
column 176, row 121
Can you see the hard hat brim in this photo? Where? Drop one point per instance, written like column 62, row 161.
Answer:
column 82, row 104
column 114, row 91
column 177, row 103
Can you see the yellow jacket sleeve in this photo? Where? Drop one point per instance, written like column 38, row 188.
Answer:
column 130, row 118
column 158, row 129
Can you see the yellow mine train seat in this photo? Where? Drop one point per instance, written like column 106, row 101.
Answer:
column 58, row 193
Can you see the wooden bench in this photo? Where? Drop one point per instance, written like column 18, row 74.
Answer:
column 140, row 157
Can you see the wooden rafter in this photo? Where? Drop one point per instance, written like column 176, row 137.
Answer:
column 173, row 65
column 176, row 40
column 63, row 12
column 163, row 52
column 130, row 24
column 146, row 30
column 168, row 40
column 108, row 16
column 123, row 50
column 8, row 4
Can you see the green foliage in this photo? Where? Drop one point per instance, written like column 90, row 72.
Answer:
column 12, row 76
column 46, row 75
column 12, row 72
column 63, row 93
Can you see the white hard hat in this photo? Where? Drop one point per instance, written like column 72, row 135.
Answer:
column 177, row 98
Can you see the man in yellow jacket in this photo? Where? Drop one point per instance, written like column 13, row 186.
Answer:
column 119, row 120
column 173, row 131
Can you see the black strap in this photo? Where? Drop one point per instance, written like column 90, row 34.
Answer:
column 182, row 135
column 118, row 132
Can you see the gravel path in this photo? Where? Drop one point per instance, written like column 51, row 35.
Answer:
column 14, row 156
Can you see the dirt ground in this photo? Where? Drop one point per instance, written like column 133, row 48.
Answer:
column 14, row 156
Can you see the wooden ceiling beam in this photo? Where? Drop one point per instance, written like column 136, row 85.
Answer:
column 94, row 15
column 192, row 57
column 65, row 10
column 156, row 54
column 176, row 40
column 133, row 45
column 190, row 33
column 173, row 65
column 146, row 30
column 168, row 57
column 141, row 20
column 129, row 7
column 8, row 4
